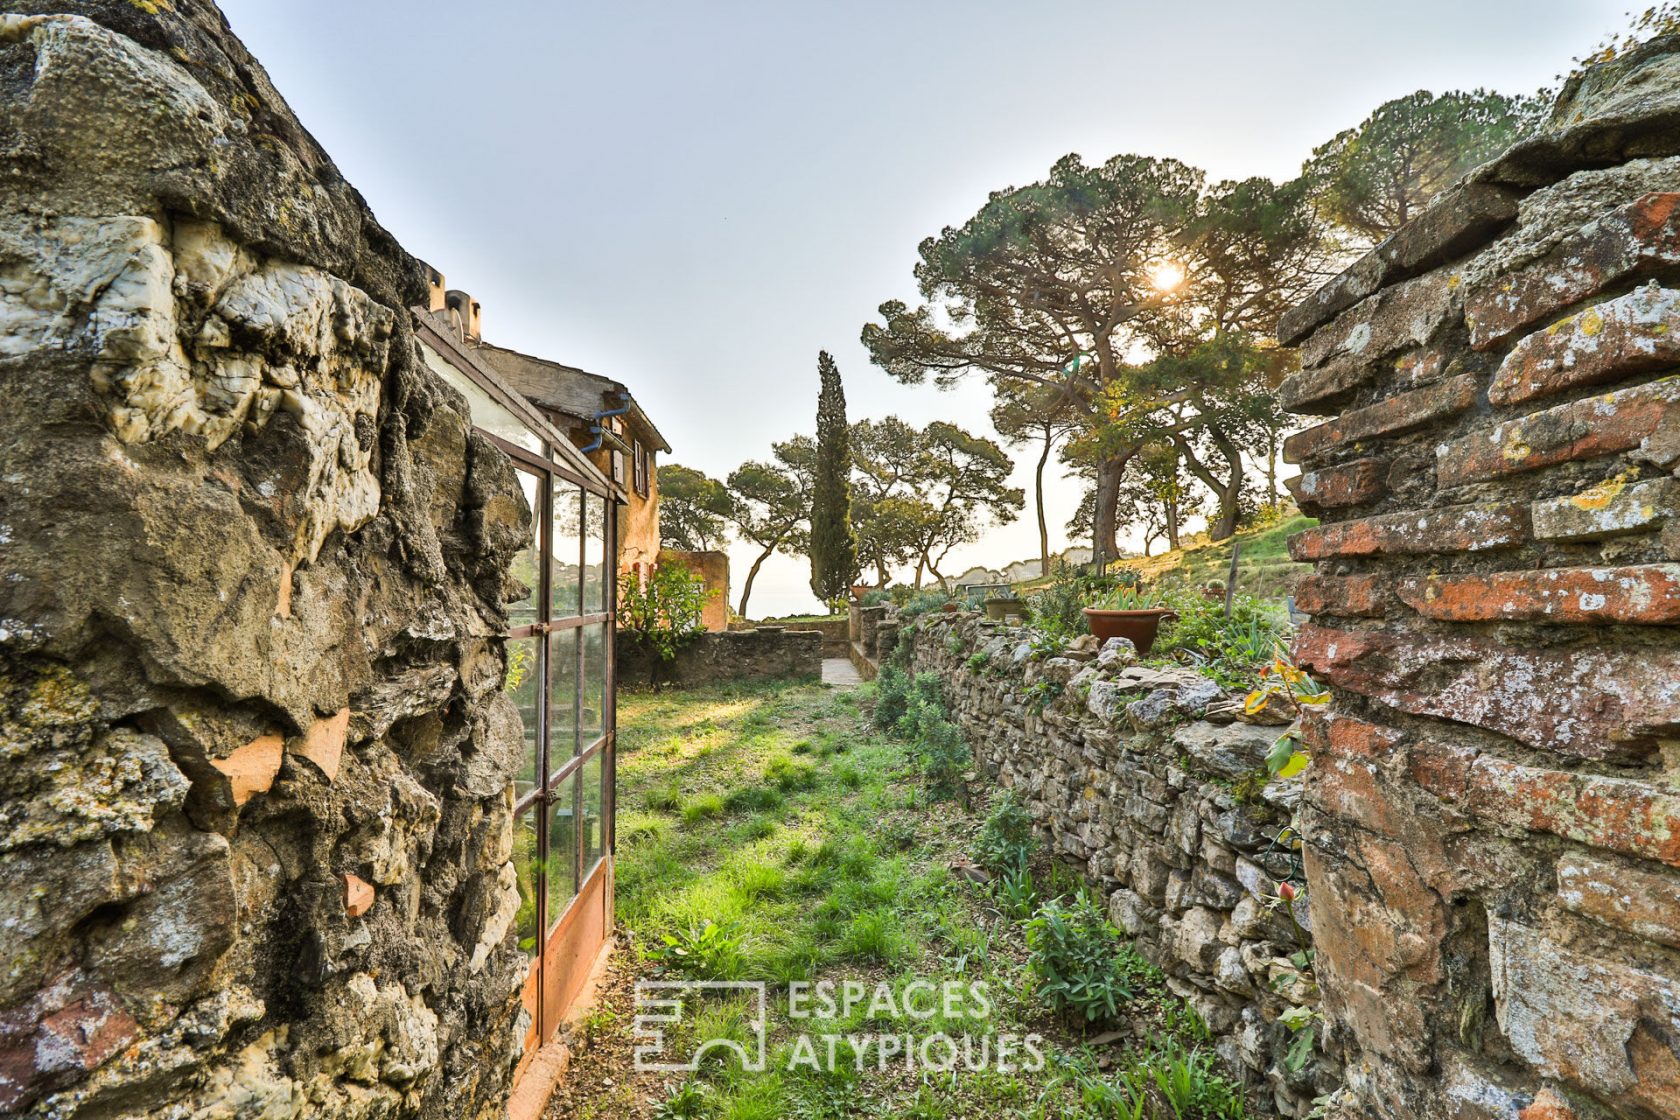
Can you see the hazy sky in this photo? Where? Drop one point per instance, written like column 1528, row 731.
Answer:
column 695, row 198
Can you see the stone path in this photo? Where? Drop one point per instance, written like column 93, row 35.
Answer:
column 840, row 671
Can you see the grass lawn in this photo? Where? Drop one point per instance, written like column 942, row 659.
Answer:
column 766, row 833
column 1263, row 564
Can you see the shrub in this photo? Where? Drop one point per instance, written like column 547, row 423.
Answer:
column 665, row 799
column 1006, row 840
column 661, row 611
column 1074, row 952
column 944, row 757
column 892, row 688
column 1059, row 608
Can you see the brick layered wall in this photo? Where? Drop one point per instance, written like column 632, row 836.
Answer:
column 1493, row 808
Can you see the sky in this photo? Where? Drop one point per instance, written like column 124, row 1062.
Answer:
column 695, row 198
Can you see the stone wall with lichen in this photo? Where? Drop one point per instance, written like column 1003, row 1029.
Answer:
column 1493, row 810
column 255, row 759
column 1152, row 782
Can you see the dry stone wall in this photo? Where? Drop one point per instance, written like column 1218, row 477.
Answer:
column 759, row 653
column 255, row 814
column 1147, row 781
column 1492, row 809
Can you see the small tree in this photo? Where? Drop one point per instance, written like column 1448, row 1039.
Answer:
column 834, row 551
column 662, row 611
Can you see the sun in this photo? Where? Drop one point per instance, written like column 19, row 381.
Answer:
column 1166, row 276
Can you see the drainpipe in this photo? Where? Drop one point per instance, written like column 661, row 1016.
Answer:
column 599, row 429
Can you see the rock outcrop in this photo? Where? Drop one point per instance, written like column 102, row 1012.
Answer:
column 255, row 801
column 1491, row 812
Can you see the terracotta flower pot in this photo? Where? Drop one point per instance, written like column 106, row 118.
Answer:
column 859, row 590
column 1137, row 627
column 1000, row 608
column 949, row 608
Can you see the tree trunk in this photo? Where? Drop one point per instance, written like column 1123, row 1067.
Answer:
column 1105, row 517
column 1171, row 515
column 752, row 574
column 1271, row 468
column 1038, row 495
column 1228, row 490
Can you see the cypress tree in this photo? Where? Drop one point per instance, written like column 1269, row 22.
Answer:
column 834, row 562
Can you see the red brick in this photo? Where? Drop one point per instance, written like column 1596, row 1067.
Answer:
column 1616, row 814
column 1548, row 1104
column 1348, row 484
column 1633, row 241
column 1346, row 596
column 1468, row 528
column 1390, row 417
column 1588, row 703
column 359, row 895
column 1647, row 594
column 1582, row 429
column 1612, row 508
column 1642, row 901
column 1635, row 333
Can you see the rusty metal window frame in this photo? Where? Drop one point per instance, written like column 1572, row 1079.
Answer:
column 556, row 778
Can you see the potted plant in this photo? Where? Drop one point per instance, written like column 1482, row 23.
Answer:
column 859, row 590
column 1128, row 612
column 1005, row 605
column 1214, row 591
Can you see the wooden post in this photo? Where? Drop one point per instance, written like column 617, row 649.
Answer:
column 1231, row 577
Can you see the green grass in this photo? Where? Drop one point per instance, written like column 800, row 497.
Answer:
column 1264, row 568
column 768, row 830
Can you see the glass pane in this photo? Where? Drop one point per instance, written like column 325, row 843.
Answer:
column 595, row 557
column 524, row 612
column 568, row 527
column 562, row 696
column 594, row 823
column 562, row 849
column 524, row 683
column 485, row 412
column 592, row 696
column 526, row 865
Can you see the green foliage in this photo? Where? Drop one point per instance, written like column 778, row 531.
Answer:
column 703, row 807
column 922, row 602
column 833, row 549
column 1187, row 1079
column 892, row 697
column 943, row 755
column 662, row 611
column 1074, row 953
column 1373, row 178
column 1016, row 892
column 687, row 1101
column 1230, row 650
column 1058, row 610
column 1303, row 1023
column 1041, row 693
column 1006, row 840
column 693, row 509
column 703, row 951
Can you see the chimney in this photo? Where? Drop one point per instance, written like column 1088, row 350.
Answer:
column 434, row 289
column 464, row 314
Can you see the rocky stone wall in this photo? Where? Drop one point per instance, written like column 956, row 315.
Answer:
column 1147, row 781
column 731, row 655
column 255, row 800
column 1492, row 810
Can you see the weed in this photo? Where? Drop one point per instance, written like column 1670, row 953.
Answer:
column 705, row 952
column 874, row 935
column 1015, row 892
column 790, row 775
column 1006, row 840
column 687, row 1101
column 664, row 799
column 1073, row 952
